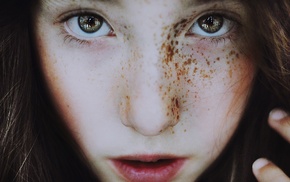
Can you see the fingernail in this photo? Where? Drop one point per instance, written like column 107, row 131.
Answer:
column 258, row 164
column 277, row 114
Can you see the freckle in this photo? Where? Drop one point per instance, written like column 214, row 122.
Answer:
column 237, row 55
column 176, row 42
column 176, row 65
column 168, row 36
column 205, row 76
column 218, row 58
column 207, row 62
column 184, row 130
column 176, row 103
column 232, row 52
column 230, row 73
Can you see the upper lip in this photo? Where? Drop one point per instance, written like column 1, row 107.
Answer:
column 148, row 157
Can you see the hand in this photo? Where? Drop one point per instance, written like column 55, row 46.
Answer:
column 264, row 170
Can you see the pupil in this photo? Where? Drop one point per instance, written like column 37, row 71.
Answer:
column 211, row 24
column 209, row 21
column 90, row 24
column 91, row 21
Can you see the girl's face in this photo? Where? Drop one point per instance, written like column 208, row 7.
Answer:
column 151, row 89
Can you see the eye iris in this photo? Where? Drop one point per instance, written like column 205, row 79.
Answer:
column 90, row 24
column 211, row 24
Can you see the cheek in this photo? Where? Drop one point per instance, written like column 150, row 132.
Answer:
column 212, row 83
column 78, row 80
column 199, row 72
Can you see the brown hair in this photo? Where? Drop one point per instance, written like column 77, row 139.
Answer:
column 36, row 146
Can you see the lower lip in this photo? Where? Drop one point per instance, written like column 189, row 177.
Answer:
column 162, row 170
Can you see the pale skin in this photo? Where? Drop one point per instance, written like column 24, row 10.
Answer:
column 147, row 84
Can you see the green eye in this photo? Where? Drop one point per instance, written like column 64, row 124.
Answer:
column 90, row 23
column 211, row 23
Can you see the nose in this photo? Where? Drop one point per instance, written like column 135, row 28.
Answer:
column 149, row 106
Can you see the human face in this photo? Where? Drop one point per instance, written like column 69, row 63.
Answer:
column 149, row 94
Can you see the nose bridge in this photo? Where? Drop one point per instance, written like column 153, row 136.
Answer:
column 150, row 105
column 147, row 109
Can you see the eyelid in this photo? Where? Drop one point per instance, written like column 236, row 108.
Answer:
column 228, row 15
column 80, row 12
column 235, row 17
column 224, row 13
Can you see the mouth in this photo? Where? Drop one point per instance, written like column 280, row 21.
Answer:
column 148, row 167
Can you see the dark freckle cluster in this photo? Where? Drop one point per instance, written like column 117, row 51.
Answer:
column 175, row 69
column 174, row 109
column 181, row 71
column 234, row 55
column 231, row 57
column 232, row 52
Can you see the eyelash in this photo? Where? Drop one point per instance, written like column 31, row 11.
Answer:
column 68, row 38
column 215, row 39
column 228, row 36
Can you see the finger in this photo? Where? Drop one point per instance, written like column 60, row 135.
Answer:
column 266, row 171
column 280, row 121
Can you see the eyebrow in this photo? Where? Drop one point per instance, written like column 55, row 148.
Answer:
column 206, row 1
column 201, row 2
column 48, row 2
column 105, row 1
